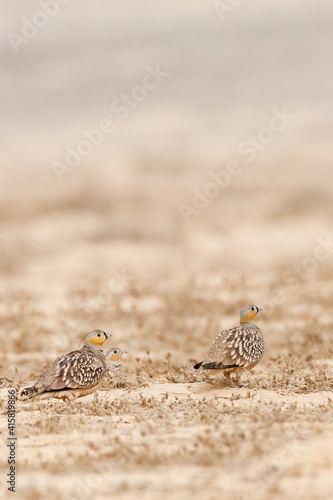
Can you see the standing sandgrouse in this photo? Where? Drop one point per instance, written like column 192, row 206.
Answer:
column 237, row 349
column 74, row 374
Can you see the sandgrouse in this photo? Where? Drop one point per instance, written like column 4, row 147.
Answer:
column 237, row 349
column 74, row 374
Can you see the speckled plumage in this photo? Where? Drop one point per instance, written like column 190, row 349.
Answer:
column 237, row 349
column 115, row 370
column 74, row 374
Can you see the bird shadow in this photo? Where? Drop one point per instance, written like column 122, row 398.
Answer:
column 212, row 388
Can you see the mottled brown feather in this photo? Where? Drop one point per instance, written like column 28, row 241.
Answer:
column 242, row 346
column 83, row 368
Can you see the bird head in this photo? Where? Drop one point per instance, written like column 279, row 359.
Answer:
column 115, row 353
column 97, row 337
column 248, row 314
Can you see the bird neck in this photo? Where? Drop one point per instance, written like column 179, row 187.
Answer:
column 89, row 345
column 245, row 319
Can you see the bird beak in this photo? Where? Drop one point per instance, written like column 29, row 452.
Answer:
column 108, row 335
column 124, row 352
column 259, row 309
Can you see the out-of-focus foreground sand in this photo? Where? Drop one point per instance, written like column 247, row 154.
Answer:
column 108, row 247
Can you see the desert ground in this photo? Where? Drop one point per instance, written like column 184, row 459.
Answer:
column 159, row 237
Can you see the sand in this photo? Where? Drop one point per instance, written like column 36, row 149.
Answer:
column 159, row 237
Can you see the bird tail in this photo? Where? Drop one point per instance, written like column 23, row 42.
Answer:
column 218, row 365
column 197, row 366
column 29, row 392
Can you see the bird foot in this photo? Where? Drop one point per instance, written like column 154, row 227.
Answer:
column 236, row 383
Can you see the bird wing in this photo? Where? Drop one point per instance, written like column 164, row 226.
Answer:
column 74, row 370
column 239, row 346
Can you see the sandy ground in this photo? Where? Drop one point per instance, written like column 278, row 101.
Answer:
column 111, row 245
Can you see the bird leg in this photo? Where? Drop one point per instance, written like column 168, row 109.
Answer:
column 238, row 378
column 242, row 381
column 227, row 376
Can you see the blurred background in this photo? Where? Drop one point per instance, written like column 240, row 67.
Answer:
column 162, row 165
column 152, row 148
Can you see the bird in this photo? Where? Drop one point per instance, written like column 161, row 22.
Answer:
column 74, row 374
column 115, row 370
column 237, row 349
column 114, row 354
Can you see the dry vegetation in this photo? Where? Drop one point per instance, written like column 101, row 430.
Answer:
column 109, row 248
column 158, row 428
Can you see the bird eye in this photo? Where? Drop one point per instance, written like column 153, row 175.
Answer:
column 115, row 352
column 98, row 335
column 253, row 308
